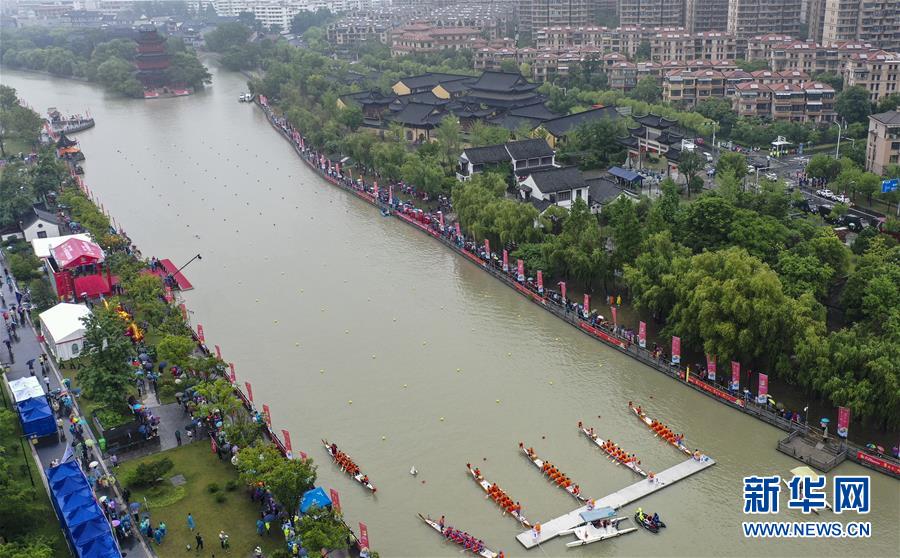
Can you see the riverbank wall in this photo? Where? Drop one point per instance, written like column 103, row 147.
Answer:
column 332, row 173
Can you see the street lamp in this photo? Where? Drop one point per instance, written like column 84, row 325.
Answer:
column 197, row 257
column 837, row 149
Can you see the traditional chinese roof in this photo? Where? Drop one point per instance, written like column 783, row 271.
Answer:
column 564, row 124
column 558, row 179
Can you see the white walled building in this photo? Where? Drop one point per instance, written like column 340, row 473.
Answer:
column 278, row 12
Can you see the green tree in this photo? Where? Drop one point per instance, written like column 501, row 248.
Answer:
column 426, row 174
column 718, row 110
column 483, row 134
column 625, row 231
column 889, row 103
column 732, row 162
column 351, row 117
column 118, row 75
column 47, row 174
column 752, row 65
column 16, row 121
column 176, row 350
column 803, row 274
column 227, row 35
column 690, row 164
column 823, row 166
column 106, row 376
column 16, row 193
column 448, row 137
column 650, row 278
column 596, row 143
column 289, row 479
column 853, row 104
column 643, row 50
column 646, row 90
column 29, row 548
column 322, row 528
column 186, row 69
column 706, row 223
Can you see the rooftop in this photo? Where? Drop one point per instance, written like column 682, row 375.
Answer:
column 565, row 124
column 558, row 179
column 891, row 118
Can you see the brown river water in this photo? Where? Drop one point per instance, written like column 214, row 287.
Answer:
column 319, row 301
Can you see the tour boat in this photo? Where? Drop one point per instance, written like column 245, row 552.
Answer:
column 539, row 463
column 486, row 553
column 486, row 486
column 648, row 524
column 651, row 424
column 805, row 472
column 631, row 464
column 593, row 530
column 359, row 477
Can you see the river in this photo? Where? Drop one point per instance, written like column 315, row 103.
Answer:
column 320, row 301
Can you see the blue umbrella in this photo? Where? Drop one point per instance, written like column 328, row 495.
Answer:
column 143, row 356
column 137, row 406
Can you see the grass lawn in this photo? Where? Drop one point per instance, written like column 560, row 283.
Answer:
column 237, row 515
column 48, row 526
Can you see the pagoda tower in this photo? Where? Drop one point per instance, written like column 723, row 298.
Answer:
column 151, row 60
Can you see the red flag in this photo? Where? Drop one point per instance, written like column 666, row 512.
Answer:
column 303, row 455
column 335, row 500
column 169, row 296
column 267, row 414
column 213, row 445
column 562, row 290
column 843, row 421
column 218, row 352
column 363, row 535
column 505, row 260
column 458, row 231
column 441, row 219
column 711, row 367
column 735, row 375
column 487, row 248
column 375, row 185
column 540, row 279
column 642, row 335
column 249, row 391
column 763, row 389
column 676, row 350
column 587, row 304
column 614, row 315
column 233, row 375
column 287, row 439
column 183, row 311
column 521, row 275
column 200, row 333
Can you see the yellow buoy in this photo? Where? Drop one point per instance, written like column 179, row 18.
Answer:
column 346, row 331
column 551, row 382
column 383, row 438
column 498, row 401
column 321, row 370
column 373, row 356
column 442, row 419
column 350, row 402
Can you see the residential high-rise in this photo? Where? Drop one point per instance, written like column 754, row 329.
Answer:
column 815, row 19
column 705, row 15
column 873, row 21
column 602, row 10
column 883, row 142
column 651, row 13
column 535, row 14
column 747, row 18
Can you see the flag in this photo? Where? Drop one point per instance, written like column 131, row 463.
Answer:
column 763, row 389
column 375, row 186
column 676, row 350
column 487, row 248
column 843, row 421
column 218, row 352
column 505, row 260
column 200, row 335
column 562, row 290
column 735, row 375
column 642, row 335
column 540, row 280
column 614, row 315
column 363, row 535
column 268, row 415
column 441, row 219
column 249, row 391
column 391, row 200
column 521, row 266
column 233, row 375
column 287, row 440
column 335, row 500
column 711, row 367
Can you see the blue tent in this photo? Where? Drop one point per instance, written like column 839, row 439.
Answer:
column 315, row 496
column 86, row 528
column 37, row 417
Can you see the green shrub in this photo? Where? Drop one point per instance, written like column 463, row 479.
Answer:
column 111, row 418
column 221, row 499
column 231, row 485
column 213, row 487
column 150, row 473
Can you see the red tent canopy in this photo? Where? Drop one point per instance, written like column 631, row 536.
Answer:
column 76, row 252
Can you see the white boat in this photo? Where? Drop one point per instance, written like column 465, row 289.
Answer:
column 805, row 471
column 486, row 486
column 633, row 465
column 597, row 525
column 539, row 463
column 485, row 552
column 358, row 477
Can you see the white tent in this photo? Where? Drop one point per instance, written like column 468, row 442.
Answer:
column 64, row 330
column 43, row 247
column 26, row 388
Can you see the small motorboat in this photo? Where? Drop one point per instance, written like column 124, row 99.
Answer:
column 648, row 523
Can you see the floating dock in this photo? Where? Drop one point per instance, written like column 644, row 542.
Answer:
column 616, row 500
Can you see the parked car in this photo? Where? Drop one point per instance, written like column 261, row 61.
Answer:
column 841, row 198
column 771, row 176
column 802, row 205
column 709, row 157
column 825, row 193
column 852, row 222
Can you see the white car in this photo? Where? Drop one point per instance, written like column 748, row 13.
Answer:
column 841, row 198
column 825, row 193
column 771, row 176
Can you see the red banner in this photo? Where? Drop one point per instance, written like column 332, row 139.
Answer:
column 363, row 535
column 391, row 200
column 213, row 445
column 587, row 304
column 735, row 375
column 878, row 462
column 218, row 353
column 642, row 334
column 335, row 500
column 287, row 440
column 487, row 249
column 843, row 424
column 562, row 290
column 763, row 388
column 375, row 185
column 676, row 350
column 715, row 391
column 233, row 375
column 540, row 279
column 267, row 415
column 249, row 391
column 603, row 335
column 521, row 269
column 614, row 315
column 711, row 367
column 200, row 334
column 303, row 455
column 169, row 296
column 458, row 230
column 183, row 309
column 441, row 219
column 505, row 260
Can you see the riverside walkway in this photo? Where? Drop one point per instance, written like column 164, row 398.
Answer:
column 616, row 500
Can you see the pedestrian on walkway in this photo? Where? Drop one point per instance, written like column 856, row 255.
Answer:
column 199, row 540
column 178, row 437
column 126, row 494
column 223, row 539
column 260, row 527
column 47, row 383
column 190, row 522
column 9, row 349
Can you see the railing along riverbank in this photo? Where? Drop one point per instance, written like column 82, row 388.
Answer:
column 428, row 224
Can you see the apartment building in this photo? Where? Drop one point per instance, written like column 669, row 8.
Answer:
column 602, row 9
column 648, row 13
column 792, row 102
column 535, row 14
column 883, row 142
column 874, row 21
column 705, row 15
column 423, row 37
column 747, row 18
column 354, row 31
column 707, row 45
column 878, row 71
column 686, row 89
